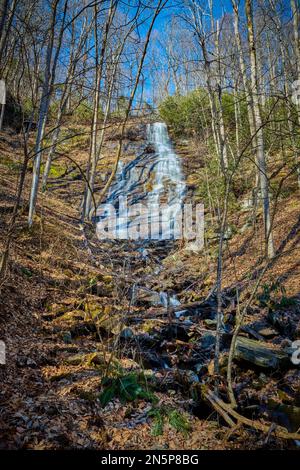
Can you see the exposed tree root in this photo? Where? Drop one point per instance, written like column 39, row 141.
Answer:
column 226, row 411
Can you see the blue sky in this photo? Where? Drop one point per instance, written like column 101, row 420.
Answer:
column 219, row 8
column 173, row 7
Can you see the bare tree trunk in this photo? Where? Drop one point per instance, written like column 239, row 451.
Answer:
column 3, row 12
column 63, row 103
column 2, row 101
column 5, row 253
column 214, row 92
column 260, row 151
column 285, row 85
column 99, row 71
column 108, row 106
column 44, row 106
column 6, row 22
column 158, row 9
column 223, row 146
column 237, row 117
column 219, row 285
column 248, row 95
column 295, row 12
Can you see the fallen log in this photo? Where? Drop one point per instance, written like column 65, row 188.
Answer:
column 261, row 354
column 219, row 404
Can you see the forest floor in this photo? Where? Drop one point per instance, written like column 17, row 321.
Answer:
column 68, row 319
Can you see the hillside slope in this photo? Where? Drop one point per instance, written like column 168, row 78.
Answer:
column 66, row 320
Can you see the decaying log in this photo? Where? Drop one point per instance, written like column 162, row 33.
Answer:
column 261, row 354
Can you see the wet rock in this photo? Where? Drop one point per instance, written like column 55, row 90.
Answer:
column 147, row 341
column 208, row 341
column 286, row 345
column 283, row 322
column 127, row 333
column 146, row 297
column 190, row 376
column 23, row 361
column 200, row 368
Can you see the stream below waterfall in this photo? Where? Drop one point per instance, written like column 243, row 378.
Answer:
column 154, row 179
column 176, row 344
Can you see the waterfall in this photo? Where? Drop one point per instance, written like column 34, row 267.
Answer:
column 154, row 179
column 169, row 185
column 168, row 174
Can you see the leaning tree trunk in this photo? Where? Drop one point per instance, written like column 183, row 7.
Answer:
column 5, row 253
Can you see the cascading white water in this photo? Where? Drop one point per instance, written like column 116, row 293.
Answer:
column 168, row 174
column 153, row 179
column 169, row 185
